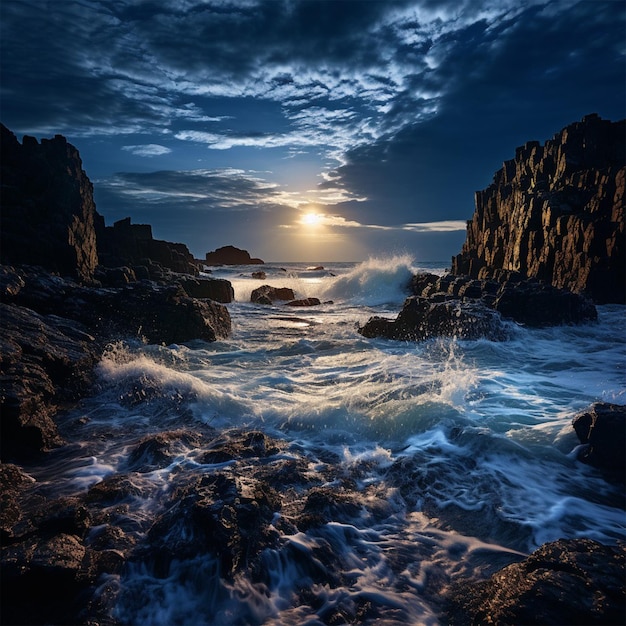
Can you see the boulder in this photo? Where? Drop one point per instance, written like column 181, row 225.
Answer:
column 229, row 255
column 421, row 318
column 48, row 211
column 556, row 212
column 575, row 581
column 602, row 428
column 268, row 294
column 217, row 289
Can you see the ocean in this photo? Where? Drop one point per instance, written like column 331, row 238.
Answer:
column 457, row 456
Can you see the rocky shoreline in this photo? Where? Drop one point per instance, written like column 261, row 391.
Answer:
column 69, row 286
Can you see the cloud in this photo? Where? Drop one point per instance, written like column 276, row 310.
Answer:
column 147, row 150
column 445, row 226
column 207, row 190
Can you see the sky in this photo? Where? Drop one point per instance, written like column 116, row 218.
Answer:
column 305, row 130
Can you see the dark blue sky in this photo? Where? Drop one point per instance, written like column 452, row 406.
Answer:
column 228, row 121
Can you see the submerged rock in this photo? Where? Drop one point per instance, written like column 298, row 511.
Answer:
column 305, row 302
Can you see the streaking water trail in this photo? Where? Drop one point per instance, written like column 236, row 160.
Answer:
column 447, row 458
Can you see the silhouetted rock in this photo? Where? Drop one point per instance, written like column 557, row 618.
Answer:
column 229, row 255
column 556, row 212
column 48, row 211
column 603, row 429
column 211, row 514
column 575, row 581
column 132, row 244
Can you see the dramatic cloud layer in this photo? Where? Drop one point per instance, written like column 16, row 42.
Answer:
column 224, row 121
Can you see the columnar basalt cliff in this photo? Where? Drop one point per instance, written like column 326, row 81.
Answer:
column 126, row 243
column 556, row 212
column 47, row 206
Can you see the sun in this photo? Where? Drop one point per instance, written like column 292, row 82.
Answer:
column 311, row 219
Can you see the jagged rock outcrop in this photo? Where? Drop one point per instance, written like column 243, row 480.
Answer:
column 467, row 308
column 575, row 581
column 48, row 212
column 556, row 212
column 229, row 255
column 132, row 244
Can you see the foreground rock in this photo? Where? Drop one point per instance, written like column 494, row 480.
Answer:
column 458, row 306
column 576, row 581
column 229, row 255
column 556, row 212
column 602, row 430
column 55, row 330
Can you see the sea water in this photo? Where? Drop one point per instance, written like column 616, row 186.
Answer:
column 463, row 449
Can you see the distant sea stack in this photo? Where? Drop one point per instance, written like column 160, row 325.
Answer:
column 47, row 206
column 229, row 255
column 556, row 213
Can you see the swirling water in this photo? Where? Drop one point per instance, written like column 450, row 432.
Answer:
column 462, row 452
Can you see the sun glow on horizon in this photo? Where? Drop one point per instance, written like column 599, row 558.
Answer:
column 312, row 219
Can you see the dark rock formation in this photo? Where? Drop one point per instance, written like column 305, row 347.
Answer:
column 268, row 294
column 54, row 331
column 576, row 581
column 421, row 319
column 556, row 212
column 132, row 244
column 304, row 302
column 467, row 308
column 48, row 212
column 44, row 360
column 602, row 428
column 229, row 255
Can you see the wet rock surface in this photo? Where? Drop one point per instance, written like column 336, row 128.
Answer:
column 602, row 430
column 241, row 504
column 55, row 330
column 268, row 294
column 467, row 308
column 576, row 581
column 556, row 212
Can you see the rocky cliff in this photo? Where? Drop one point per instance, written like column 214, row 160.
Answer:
column 48, row 211
column 132, row 244
column 556, row 212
